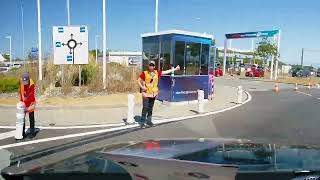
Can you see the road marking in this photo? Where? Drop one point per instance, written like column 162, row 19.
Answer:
column 304, row 93
column 6, row 135
column 70, row 127
column 318, row 98
column 123, row 127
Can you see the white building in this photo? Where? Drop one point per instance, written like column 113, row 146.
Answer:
column 126, row 58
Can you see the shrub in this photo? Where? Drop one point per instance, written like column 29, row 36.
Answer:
column 9, row 85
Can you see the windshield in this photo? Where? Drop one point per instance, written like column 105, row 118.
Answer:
column 155, row 79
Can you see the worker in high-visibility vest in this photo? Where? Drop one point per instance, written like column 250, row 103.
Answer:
column 148, row 82
column 27, row 96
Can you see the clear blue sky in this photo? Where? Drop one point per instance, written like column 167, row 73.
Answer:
column 127, row 19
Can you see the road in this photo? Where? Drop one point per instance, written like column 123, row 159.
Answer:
column 287, row 117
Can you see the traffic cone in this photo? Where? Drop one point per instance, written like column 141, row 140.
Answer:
column 296, row 87
column 276, row 87
column 309, row 85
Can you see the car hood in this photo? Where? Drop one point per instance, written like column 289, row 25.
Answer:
column 226, row 156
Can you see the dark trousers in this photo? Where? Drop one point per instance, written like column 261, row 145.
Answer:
column 146, row 115
column 31, row 120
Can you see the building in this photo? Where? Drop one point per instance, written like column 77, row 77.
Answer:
column 126, row 58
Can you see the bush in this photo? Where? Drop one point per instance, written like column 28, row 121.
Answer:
column 9, row 85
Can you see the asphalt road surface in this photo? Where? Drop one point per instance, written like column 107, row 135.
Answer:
column 287, row 117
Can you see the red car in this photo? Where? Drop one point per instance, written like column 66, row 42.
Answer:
column 254, row 71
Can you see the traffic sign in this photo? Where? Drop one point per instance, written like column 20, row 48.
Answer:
column 70, row 44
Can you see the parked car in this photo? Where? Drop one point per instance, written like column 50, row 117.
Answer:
column 318, row 73
column 303, row 73
column 254, row 71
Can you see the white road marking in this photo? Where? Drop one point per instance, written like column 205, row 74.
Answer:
column 122, row 128
column 318, row 98
column 304, row 93
column 70, row 127
column 6, row 135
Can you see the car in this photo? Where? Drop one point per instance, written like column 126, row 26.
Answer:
column 318, row 73
column 254, row 71
column 173, row 159
column 303, row 73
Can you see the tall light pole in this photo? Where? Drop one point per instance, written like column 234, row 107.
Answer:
column 68, row 12
column 22, row 29
column 104, row 76
column 9, row 37
column 96, row 41
column 39, row 41
column 156, row 17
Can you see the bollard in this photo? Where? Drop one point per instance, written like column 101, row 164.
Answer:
column 239, row 92
column 200, row 101
column 20, row 114
column 318, row 86
column 296, row 87
column 309, row 85
column 276, row 87
column 130, row 115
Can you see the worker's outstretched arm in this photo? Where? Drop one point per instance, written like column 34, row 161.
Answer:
column 170, row 70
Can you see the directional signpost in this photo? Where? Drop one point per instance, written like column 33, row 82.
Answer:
column 257, row 34
column 70, row 44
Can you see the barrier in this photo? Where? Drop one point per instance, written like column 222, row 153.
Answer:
column 239, row 92
column 20, row 115
column 130, row 115
column 276, row 87
column 296, row 87
column 200, row 101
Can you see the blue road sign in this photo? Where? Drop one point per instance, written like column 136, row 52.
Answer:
column 69, row 58
column 82, row 29
column 58, row 44
column 60, row 29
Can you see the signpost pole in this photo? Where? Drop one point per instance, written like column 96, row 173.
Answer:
column 278, row 56
column 225, row 56
column 104, row 45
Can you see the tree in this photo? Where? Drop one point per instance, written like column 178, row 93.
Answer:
column 267, row 50
column 93, row 52
column 6, row 56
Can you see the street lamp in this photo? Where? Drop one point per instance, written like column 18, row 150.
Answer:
column 156, row 17
column 39, row 40
column 96, row 37
column 104, row 36
column 9, row 37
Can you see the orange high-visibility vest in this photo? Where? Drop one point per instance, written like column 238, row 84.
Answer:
column 32, row 106
column 151, row 83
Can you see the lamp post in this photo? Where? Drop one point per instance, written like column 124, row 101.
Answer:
column 104, row 76
column 96, row 41
column 39, row 40
column 9, row 37
column 156, row 17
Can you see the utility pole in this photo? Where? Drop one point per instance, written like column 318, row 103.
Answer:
column 39, row 41
column 302, row 58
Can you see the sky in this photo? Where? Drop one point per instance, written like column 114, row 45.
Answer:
column 127, row 19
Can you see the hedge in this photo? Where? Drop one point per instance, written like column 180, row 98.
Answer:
column 9, row 85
